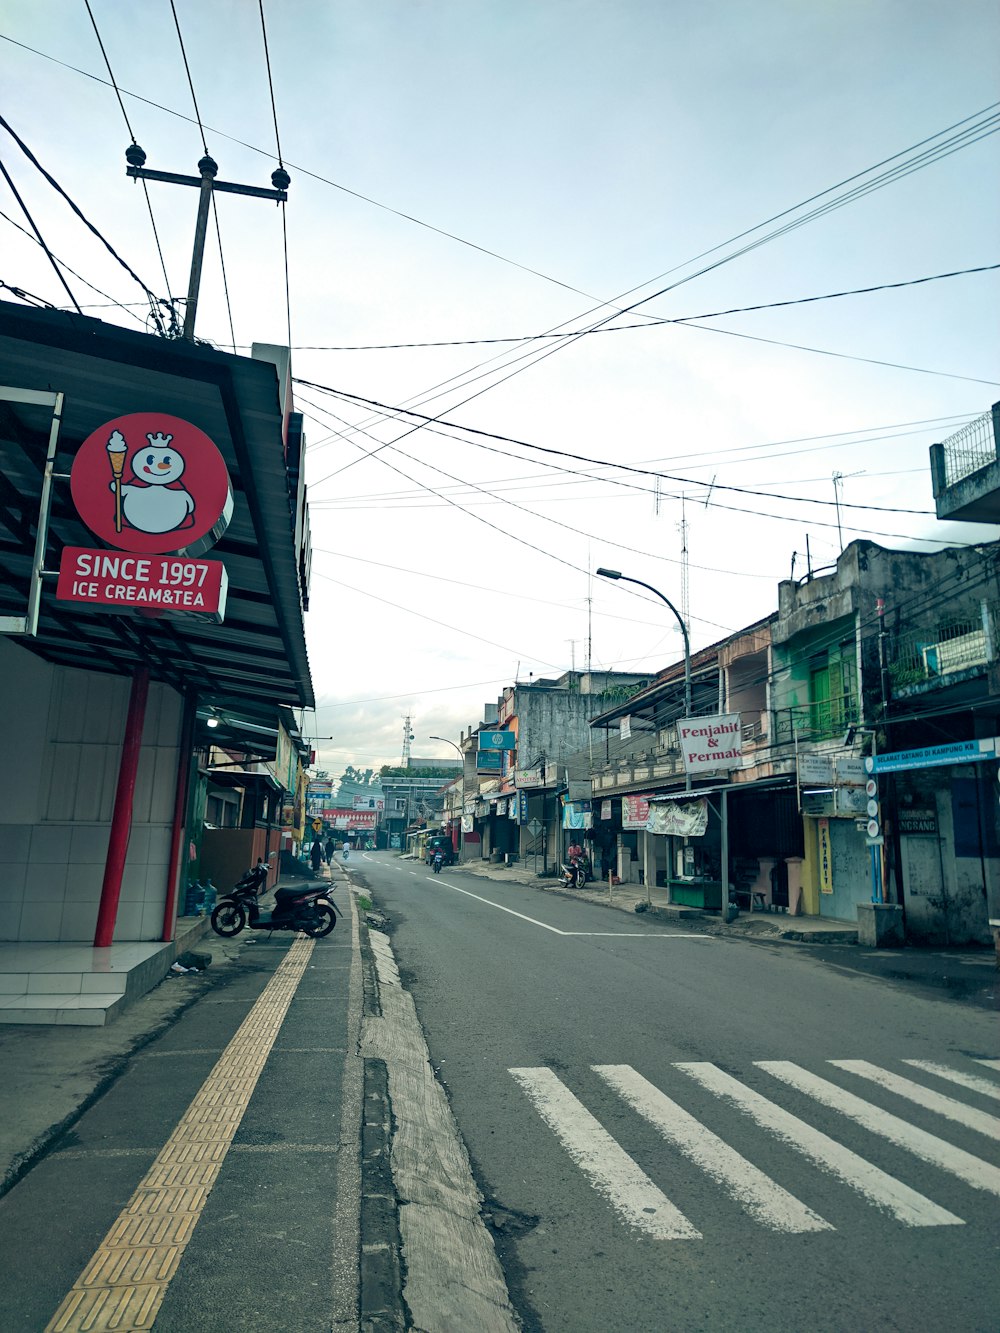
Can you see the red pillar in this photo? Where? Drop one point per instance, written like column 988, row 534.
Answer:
column 178, row 829
column 121, row 818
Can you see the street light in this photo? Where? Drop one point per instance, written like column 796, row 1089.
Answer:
column 460, row 755
column 452, row 744
column 616, row 574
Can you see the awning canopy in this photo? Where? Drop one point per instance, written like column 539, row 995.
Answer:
column 257, row 656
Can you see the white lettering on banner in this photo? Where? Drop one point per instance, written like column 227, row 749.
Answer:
column 711, row 742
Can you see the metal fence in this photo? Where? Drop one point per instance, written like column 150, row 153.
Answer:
column 954, row 645
column 975, row 446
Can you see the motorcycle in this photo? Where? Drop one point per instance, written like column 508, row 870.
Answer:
column 576, row 873
column 437, row 863
column 307, row 909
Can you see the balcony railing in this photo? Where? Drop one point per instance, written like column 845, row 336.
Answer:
column 956, row 645
column 975, row 446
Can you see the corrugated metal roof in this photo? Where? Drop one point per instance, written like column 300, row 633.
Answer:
column 258, row 655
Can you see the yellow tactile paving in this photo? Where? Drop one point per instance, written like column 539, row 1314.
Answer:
column 122, row 1287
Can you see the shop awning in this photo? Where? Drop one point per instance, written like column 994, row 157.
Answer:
column 258, row 654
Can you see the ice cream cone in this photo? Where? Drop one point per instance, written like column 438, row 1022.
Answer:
column 117, row 449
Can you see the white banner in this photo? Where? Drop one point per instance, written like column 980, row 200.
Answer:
column 684, row 819
column 710, row 743
column 625, row 728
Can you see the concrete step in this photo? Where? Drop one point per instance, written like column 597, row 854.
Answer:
column 83, row 1009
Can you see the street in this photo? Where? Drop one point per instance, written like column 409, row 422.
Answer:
column 670, row 1130
column 661, row 1135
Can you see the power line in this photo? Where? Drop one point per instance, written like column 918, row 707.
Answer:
column 653, row 322
column 917, row 162
column 204, row 144
column 843, row 356
column 600, row 462
column 145, row 187
column 153, row 298
column 124, row 305
column 314, row 175
column 281, row 165
column 40, row 238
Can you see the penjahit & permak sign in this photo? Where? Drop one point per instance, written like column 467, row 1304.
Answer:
column 709, row 743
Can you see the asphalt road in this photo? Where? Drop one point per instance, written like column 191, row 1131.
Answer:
column 660, row 1134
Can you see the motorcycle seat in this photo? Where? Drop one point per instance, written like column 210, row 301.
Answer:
column 283, row 897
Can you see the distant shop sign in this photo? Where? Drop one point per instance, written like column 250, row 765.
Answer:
column 918, row 823
column 497, row 740
column 711, row 743
column 934, row 756
column 635, row 812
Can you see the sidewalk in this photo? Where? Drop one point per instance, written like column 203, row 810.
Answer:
column 774, row 925
column 51, row 1073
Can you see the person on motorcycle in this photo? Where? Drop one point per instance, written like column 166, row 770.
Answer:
column 438, row 861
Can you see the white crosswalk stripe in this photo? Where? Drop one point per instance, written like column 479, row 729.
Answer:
column 971, row 1081
column 875, row 1185
column 638, row 1201
column 608, row 1167
column 925, row 1097
column 764, row 1200
column 973, row 1170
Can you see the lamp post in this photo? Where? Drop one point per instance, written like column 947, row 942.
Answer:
column 616, row 574
column 462, row 778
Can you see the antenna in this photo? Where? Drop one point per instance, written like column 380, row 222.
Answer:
column 838, row 485
column 590, row 623
column 572, row 651
column 407, row 737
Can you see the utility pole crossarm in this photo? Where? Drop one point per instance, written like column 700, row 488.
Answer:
column 207, row 184
column 228, row 187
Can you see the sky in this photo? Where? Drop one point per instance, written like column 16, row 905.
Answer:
column 473, row 170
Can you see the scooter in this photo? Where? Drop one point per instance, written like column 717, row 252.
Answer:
column 307, row 909
column 576, row 873
column 437, row 863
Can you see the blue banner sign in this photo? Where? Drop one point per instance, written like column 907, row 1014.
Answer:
column 497, row 740
column 933, row 756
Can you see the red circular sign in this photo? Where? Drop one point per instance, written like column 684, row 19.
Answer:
column 152, row 483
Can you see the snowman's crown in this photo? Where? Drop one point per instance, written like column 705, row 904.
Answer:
column 159, row 440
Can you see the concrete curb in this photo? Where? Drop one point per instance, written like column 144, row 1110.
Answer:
column 753, row 926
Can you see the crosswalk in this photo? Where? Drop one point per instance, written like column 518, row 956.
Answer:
column 679, row 1117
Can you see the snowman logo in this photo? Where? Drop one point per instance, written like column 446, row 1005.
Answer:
column 156, row 500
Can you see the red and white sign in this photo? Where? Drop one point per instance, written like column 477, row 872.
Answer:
column 709, row 743
column 152, row 483
column 141, row 582
column 342, row 818
column 635, row 812
column 369, row 803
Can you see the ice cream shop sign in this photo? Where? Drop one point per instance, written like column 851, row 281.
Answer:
column 155, row 487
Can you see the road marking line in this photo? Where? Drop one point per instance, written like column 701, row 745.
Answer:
column 970, row 1081
column 123, row 1285
column 925, row 1097
column 756, row 1192
column 604, row 1162
column 673, row 935
column 877, row 1186
column 990, row 1064
column 973, row 1170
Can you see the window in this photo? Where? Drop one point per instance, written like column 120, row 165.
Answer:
column 832, row 690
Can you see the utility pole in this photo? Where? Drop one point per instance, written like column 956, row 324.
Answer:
column 207, row 184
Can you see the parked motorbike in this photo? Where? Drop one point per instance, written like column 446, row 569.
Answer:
column 307, row 908
column 576, row 872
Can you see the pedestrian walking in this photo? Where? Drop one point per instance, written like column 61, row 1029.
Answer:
column 329, row 849
column 316, row 855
